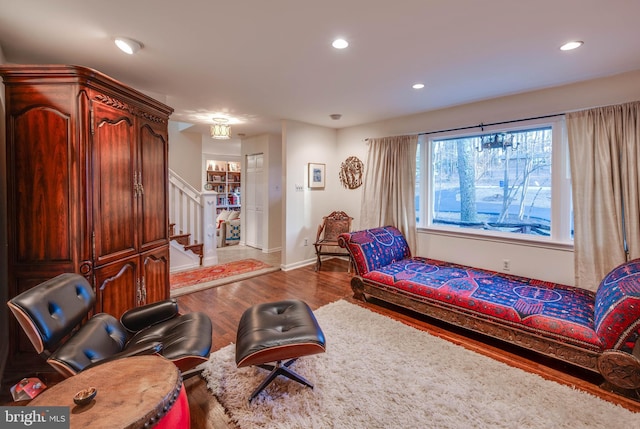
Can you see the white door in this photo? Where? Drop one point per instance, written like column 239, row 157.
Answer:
column 253, row 203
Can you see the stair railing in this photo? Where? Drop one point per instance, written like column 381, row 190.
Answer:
column 185, row 208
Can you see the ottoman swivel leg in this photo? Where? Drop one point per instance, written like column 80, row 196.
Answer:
column 277, row 332
column 279, row 369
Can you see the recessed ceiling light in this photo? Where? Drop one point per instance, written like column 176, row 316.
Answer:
column 571, row 45
column 418, row 86
column 340, row 44
column 128, row 46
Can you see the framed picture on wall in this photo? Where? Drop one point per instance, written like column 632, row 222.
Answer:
column 316, row 175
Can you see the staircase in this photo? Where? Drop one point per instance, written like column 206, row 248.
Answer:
column 184, row 241
column 185, row 230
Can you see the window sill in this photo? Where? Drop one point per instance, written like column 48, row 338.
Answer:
column 545, row 243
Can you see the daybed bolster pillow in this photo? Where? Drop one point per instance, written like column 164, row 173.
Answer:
column 617, row 307
column 374, row 248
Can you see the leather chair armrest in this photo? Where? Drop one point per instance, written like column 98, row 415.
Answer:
column 136, row 350
column 144, row 316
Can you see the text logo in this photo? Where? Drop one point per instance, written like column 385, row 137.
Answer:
column 34, row 417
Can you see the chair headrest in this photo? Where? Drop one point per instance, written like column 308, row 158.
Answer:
column 52, row 309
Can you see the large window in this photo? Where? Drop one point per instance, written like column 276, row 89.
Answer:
column 503, row 182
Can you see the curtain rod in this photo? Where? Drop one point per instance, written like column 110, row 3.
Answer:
column 481, row 125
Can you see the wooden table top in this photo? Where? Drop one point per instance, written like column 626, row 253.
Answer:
column 131, row 392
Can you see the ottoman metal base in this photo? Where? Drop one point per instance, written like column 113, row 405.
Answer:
column 279, row 369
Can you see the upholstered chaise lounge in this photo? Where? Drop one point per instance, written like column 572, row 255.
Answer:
column 598, row 331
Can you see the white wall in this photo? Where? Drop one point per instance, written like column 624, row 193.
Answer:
column 273, row 223
column 531, row 261
column 185, row 154
column 229, row 148
column 304, row 208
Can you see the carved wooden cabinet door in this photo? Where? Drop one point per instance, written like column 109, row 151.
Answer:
column 155, row 271
column 132, row 282
column 118, row 286
column 153, row 176
column 45, row 174
column 114, row 193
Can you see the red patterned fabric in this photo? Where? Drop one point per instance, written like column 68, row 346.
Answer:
column 552, row 310
column 374, row 248
column 617, row 312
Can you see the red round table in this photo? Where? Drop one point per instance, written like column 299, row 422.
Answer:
column 134, row 392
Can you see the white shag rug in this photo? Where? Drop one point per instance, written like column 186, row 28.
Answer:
column 380, row 373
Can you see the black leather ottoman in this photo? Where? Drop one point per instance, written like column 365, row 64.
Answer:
column 274, row 332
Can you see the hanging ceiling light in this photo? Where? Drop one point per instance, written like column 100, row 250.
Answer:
column 221, row 129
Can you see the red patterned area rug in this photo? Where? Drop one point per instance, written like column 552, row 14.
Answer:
column 184, row 282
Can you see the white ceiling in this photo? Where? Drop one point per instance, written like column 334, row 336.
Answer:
column 262, row 61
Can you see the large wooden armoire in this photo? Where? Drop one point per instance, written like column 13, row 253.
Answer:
column 87, row 185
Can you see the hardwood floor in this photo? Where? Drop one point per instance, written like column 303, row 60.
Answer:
column 225, row 305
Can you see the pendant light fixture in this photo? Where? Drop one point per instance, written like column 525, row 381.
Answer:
column 220, row 129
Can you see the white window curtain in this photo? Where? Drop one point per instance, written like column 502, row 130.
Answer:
column 604, row 147
column 388, row 195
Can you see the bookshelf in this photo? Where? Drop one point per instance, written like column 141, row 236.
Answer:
column 224, row 178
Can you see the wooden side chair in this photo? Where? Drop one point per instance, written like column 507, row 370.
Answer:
column 331, row 227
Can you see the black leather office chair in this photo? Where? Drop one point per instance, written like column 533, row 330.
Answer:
column 52, row 313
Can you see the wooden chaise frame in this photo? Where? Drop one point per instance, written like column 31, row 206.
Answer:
column 617, row 367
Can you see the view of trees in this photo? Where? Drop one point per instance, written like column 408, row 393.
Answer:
column 491, row 186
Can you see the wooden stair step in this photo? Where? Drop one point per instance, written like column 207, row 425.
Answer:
column 181, row 238
column 197, row 248
column 184, row 239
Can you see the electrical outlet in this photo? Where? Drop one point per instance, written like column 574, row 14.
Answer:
column 506, row 265
column 306, row 241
